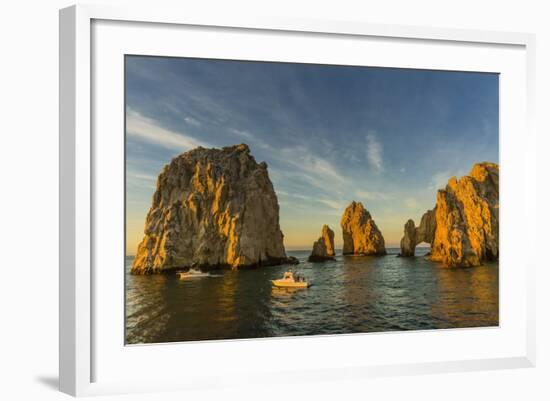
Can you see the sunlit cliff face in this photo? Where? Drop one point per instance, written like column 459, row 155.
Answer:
column 212, row 208
column 467, row 218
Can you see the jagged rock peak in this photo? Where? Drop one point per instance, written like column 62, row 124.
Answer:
column 323, row 248
column 467, row 218
column 463, row 227
column 212, row 208
column 360, row 233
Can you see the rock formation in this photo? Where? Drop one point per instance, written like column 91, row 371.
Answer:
column 465, row 220
column 408, row 242
column 323, row 248
column 414, row 236
column 361, row 235
column 212, row 208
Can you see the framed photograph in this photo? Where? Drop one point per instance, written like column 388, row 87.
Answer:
column 239, row 190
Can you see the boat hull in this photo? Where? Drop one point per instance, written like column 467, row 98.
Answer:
column 289, row 284
column 185, row 276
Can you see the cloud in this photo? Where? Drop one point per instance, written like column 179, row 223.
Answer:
column 303, row 159
column 243, row 134
column 374, row 151
column 333, row 204
column 294, row 195
column 141, row 176
column 372, row 195
column 439, row 180
column 150, row 130
column 411, row 203
column 142, row 180
column 192, row 121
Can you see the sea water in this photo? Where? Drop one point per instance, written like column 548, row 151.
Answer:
column 353, row 294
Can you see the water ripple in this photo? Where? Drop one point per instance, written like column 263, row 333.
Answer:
column 349, row 295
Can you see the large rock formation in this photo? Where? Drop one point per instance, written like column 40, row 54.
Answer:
column 361, row 235
column 408, row 242
column 323, row 248
column 415, row 235
column 467, row 215
column 212, row 208
column 465, row 220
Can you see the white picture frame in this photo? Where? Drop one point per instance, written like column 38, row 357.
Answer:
column 80, row 343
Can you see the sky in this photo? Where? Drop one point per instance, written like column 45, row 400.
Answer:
column 388, row 138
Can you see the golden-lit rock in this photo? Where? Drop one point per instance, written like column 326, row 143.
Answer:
column 212, row 208
column 467, row 218
column 414, row 236
column 361, row 235
column 323, row 248
column 463, row 227
column 408, row 242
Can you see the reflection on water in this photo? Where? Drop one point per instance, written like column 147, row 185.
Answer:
column 348, row 295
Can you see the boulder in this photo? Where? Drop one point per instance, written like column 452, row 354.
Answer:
column 323, row 248
column 212, row 208
column 361, row 235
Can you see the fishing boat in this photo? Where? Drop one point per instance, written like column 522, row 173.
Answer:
column 289, row 280
column 192, row 273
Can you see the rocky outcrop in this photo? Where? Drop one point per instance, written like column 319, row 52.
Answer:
column 361, row 235
column 415, row 235
column 467, row 218
column 212, row 208
column 463, row 228
column 408, row 242
column 323, row 248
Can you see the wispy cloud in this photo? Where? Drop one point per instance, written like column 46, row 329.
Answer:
column 294, row 195
column 440, row 179
column 303, row 159
column 192, row 121
column 411, row 203
column 141, row 176
column 374, row 151
column 142, row 180
column 150, row 130
column 373, row 195
column 333, row 204
column 243, row 134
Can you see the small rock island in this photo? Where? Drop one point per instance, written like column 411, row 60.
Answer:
column 463, row 228
column 323, row 248
column 212, row 208
column 360, row 233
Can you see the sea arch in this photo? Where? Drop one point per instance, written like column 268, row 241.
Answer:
column 414, row 236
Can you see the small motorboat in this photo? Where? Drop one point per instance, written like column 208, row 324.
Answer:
column 289, row 280
column 192, row 273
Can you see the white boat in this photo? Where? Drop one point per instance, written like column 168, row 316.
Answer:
column 192, row 273
column 290, row 281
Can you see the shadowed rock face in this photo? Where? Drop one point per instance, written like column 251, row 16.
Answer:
column 361, row 235
column 463, row 227
column 414, row 236
column 323, row 248
column 408, row 242
column 212, row 208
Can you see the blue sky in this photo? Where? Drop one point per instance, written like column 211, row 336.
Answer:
column 329, row 134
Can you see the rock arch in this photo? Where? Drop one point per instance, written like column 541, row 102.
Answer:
column 413, row 236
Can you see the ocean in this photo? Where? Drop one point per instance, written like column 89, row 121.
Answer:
column 352, row 294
